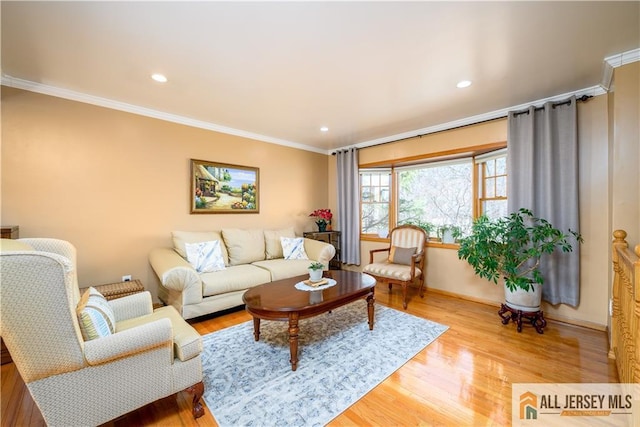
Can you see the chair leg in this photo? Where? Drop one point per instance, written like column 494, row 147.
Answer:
column 421, row 287
column 404, row 296
column 197, row 390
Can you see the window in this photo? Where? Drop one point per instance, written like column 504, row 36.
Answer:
column 438, row 196
column 441, row 196
column 492, row 184
column 375, row 195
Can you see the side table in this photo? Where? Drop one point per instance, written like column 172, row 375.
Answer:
column 10, row 231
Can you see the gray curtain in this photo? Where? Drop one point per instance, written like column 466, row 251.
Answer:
column 349, row 205
column 543, row 176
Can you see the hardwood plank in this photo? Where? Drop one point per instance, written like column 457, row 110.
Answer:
column 462, row 378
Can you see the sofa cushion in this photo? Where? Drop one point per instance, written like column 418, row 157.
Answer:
column 392, row 271
column 273, row 244
column 181, row 237
column 205, row 257
column 293, row 248
column 285, row 268
column 95, row 315
column 233, row 278
column 244, row 246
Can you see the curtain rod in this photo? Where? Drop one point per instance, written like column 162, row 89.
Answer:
column 583, row 98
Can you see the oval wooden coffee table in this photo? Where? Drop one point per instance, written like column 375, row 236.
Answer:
column 280, row 300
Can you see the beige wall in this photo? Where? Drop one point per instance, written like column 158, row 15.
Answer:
column 625, row 164
column 116, row 184
column 445, row 272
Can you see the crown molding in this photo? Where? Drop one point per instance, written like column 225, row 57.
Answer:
column 497, row 114
column 609, row 64
column 615, row 61
column 623, row 58
column 7, row 80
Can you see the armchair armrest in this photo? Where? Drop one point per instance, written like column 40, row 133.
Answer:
column 319, row 251
column 175, row 273
column 131, row 306
column 129, row 342
column 373, row 251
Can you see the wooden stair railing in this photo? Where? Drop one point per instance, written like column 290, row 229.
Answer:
column 625, row 319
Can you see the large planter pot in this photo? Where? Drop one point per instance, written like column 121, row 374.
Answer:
column 524, row 300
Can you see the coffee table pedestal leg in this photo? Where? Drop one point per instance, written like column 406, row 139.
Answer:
column 293, row 339
column 370, row 301
column 256, row 328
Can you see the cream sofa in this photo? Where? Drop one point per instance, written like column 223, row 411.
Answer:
column 251, row 257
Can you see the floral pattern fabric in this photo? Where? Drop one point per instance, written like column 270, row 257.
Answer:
column 205, row 257
column 293, row 248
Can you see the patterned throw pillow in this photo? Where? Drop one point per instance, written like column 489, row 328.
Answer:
column 293, row 248
column 399, row 255
column 205, row 257
column 95, row 315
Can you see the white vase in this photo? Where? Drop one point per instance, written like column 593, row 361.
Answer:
column 519, row 299
column 447, row 236
column 315, row 275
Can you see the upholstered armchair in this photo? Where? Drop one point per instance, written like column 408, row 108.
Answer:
column 151, row 354
column 404, row 260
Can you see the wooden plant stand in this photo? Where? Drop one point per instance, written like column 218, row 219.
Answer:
column 535, row 317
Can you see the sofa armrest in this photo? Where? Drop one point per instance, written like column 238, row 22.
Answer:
column 319, row 251
column 131, row 306
column 130, row 342
column 175, row 273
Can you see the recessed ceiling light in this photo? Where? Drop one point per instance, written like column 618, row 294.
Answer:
column 159, row 78
column 324, row 129
column 463, row 83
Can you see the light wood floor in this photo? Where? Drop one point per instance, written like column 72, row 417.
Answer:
column 463, row 378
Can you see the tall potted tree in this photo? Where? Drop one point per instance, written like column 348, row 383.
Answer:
column 511, row 248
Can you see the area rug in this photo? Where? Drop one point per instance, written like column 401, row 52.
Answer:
column 249, row 383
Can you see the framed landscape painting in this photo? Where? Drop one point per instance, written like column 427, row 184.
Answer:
column 224, row 188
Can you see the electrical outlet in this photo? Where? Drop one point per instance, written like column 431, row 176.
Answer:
column 126, row 278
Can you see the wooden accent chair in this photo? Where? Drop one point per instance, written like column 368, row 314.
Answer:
column 149, row 355
column 404, row 262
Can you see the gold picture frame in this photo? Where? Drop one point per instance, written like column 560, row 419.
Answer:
column 224, row 188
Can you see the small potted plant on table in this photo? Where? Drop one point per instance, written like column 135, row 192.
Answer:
column 315, row 271
column 511, row 248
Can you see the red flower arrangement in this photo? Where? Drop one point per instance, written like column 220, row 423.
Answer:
column 323, row 217
column 322, row 214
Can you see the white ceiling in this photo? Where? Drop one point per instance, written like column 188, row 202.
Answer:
column 278, row 71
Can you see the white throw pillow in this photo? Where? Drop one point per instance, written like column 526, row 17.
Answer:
column 205, row 257
column 181, row 237
column 293, row 248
